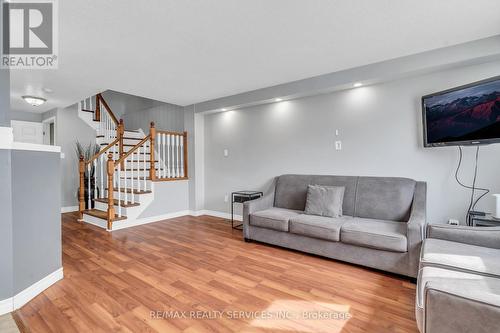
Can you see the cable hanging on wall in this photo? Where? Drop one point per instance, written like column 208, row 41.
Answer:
column 473, row 188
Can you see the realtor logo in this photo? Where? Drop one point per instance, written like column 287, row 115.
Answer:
column 29, row 34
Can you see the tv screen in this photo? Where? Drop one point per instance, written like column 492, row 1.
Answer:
column 465, row 115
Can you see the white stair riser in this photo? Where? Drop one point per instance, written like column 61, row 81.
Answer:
column 88, row 118
column 95, row 220
column 129, row 183
column 136, row 135
column 126, row 211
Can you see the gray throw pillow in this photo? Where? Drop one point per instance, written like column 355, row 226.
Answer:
column 324, row 200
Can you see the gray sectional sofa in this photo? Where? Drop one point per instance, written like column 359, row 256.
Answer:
column 458, row 285
column 382, row 225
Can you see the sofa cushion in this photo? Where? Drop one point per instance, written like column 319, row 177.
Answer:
column 377, row 234
column 475, row 287
column 291, row 190
column 324, row 200
column 321, row 227
column 384, row 198
column 273, row 218
column 459, row 256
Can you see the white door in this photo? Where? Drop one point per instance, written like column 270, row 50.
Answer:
column 27, row 131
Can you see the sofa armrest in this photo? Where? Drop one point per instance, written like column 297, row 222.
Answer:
column 249, row 207
column 450, row 311
column 417, row 222
column 480, row 236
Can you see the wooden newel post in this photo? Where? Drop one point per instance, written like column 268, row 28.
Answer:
column 97, row 108
column 152, row 170
column 185, row 152
column 81, row 194
column 111, row 203
column 120, row 134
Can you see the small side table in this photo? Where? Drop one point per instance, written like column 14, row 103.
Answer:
column 241, row 197
column 484, row 221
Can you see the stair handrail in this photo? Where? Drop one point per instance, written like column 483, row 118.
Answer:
column 101, row 99
column 85, row 164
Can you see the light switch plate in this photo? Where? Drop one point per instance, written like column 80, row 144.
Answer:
column 338, row 145
column 226, row 152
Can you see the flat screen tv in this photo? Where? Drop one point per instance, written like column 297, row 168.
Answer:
column 465, row 115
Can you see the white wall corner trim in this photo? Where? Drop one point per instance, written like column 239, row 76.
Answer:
column 14, row 303
column 69, row 209
column 35, row 147
column 6, row 137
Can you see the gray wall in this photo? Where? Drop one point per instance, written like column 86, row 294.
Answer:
column 137, row 112
column 5, row 192
column 26, row 116
column 69, row 129
column 170, row 197
column 36, row 230
column 380, row 128
column 6, row 255
column 168, row 117
column 121, row 103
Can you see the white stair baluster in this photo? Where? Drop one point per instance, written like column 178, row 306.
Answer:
column 144, row 164
column 119, row 192
column 126, row 181
column 91, row 109
column 138, row 176
column 168, row 156
column 161, row 162
column 95, row 176
column 177, row 156
column 182, row 155
column 88, row 185
column 102, row 175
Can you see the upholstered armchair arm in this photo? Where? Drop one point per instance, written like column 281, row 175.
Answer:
column 415, row 230
column 417, row 221
column 453, row 311
column 249, row 207
column 480, row 236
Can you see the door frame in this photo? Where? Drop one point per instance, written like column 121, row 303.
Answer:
column 46, row 128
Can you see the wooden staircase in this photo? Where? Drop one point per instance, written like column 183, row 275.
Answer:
column 117, row 184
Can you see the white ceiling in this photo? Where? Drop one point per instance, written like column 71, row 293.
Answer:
column 188, row 51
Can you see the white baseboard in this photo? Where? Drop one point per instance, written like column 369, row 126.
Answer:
column 6, row 306
column 214, row 213
column 133, row 223
column 146, row 220
column 14, row 303
column 69, row 209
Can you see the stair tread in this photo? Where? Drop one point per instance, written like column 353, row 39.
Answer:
column 87, row 110
column 130, row 190
column 125, row 138
column 102, row 214
column 115, row 202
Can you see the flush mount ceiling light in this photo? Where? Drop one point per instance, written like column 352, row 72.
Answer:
column 223, row 109
column 278, row 99
column 357, row 84
column 33, row 100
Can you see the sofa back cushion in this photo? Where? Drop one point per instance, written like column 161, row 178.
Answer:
column 384, row 198
column 291, row 190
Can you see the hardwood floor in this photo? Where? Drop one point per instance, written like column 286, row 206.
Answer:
column 118, row 281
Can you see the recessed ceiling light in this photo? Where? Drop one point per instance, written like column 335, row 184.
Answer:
column 48, row 90
column 223, row 109
column 278, row 100
column 357, row 84
column 35, row 101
